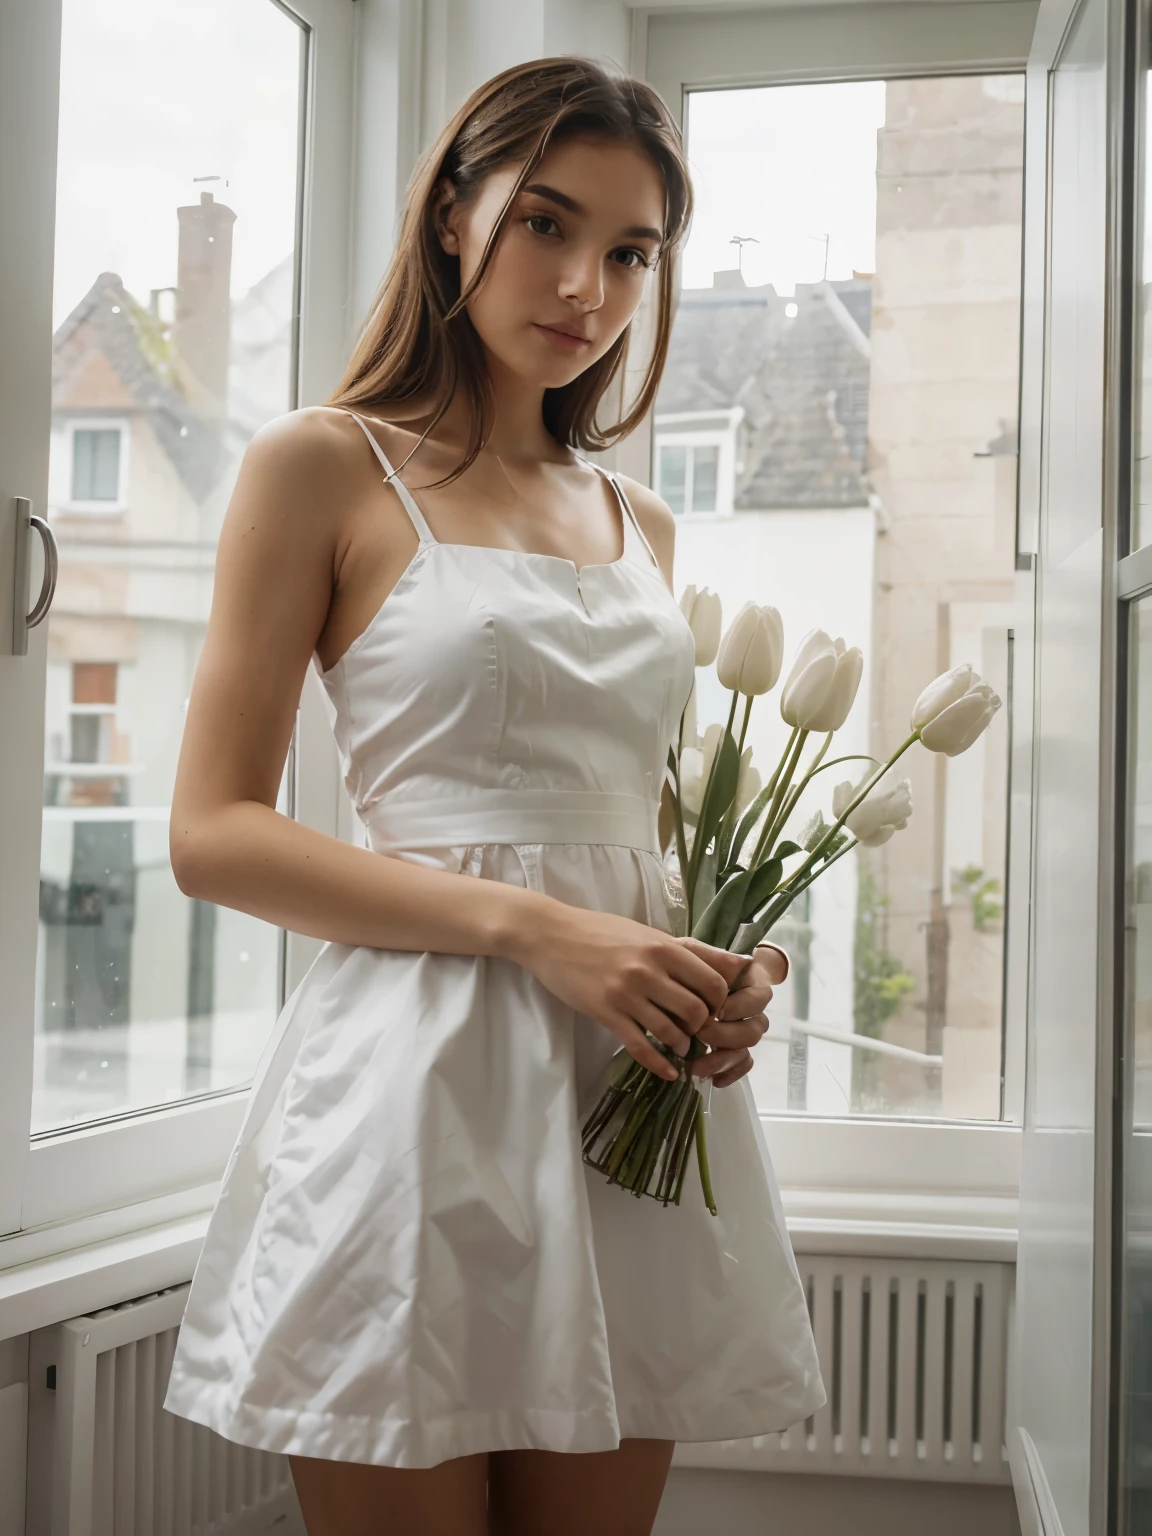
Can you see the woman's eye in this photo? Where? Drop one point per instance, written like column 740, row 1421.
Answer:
column 631, row 257
column 535, row 219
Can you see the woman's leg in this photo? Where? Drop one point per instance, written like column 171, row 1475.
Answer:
column 546, row 1493
column 352, row 1498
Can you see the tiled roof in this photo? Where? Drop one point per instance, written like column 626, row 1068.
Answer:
column 110, row 353
column 802, row 381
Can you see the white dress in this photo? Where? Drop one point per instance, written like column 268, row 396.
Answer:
column 408, row 1260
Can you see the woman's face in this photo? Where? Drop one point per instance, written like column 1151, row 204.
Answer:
column 572, row 262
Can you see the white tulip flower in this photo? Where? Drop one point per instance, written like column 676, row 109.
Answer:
column 752, row 650
column 710, row 745
column 886, row 810
column 695, row 766
column 941, row 692
column 748, row 784
column 956, row 727
column 703, row 612
column 822, row 684
column 691, row 780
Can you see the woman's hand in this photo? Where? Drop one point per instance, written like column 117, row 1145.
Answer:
column 630, row 977
column 741, row 1022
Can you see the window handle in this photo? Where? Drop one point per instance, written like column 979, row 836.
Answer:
column 23, row 617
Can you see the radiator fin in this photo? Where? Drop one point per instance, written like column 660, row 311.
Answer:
column 116, row 1462
column 912, row 1353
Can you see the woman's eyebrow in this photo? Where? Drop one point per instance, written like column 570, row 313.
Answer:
column 634, row 232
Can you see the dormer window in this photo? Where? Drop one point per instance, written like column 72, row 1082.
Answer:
column 695, row 461
column 94, row 471
column 96, row 464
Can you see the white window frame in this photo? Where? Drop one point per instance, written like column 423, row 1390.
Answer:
column 856, row 1162
column 675, row 429
column 141, row 1165
column 64, row 503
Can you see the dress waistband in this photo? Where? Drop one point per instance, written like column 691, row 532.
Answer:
column 514, row 816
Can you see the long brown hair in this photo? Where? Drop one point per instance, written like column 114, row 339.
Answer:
column 419, row 341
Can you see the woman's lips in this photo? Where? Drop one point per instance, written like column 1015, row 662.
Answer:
column 562, row 339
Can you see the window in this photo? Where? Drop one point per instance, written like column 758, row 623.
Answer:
column 169, row 272
column 867, row 335
column 687, row 474
column 695, row 458
column 96, row 464
column 142, row 995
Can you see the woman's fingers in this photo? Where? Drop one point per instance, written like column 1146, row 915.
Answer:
column 738, row 1035
column 641, row 1049
column 698, row 976
column 688, row 1008
column 746, row 1001
column 735, row 1073
column 648, row 1016
column 724, row 1067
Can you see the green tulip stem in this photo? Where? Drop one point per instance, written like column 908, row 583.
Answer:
column 732, row 815
column 768, row 835
column 697, row 848
column 792, row 798
column 744, row 722
column 793, row 891
column 852, row 757
column 861, row 795
column 702, row 1161
column 681, row 840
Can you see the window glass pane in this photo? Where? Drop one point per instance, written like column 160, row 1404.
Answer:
column 673, row 470
column 96, row 465
column 1137, row 1182
column 705, row 466
column 1142, row 489
column 851, row 298
column 174, row 276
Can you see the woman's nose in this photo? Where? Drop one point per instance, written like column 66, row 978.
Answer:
column 582, row 281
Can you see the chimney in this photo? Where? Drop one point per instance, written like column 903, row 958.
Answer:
column 203, row 325
column 730, row 278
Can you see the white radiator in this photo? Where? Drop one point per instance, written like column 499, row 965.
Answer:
column 105, row 1459
column 912, row 1353
column 913, row 1357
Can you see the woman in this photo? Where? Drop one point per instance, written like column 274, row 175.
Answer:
column 411, row 1284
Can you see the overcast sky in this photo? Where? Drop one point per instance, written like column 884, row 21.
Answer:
column 156, row 95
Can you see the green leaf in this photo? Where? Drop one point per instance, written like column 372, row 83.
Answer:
column 705, row 888
column 720, row 791
column 786, row 850
column 718, row 921
column 764, row 881
column 751, row 816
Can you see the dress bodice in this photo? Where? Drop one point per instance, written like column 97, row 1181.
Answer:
column 505, row 696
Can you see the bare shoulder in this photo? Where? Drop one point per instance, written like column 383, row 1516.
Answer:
column 657, row 520
column 303, row 470
column 312, row 440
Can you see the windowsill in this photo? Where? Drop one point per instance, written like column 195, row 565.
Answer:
column 89, row 509
column 71, row 1268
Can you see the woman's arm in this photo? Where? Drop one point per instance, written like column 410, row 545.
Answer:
column 279, row 555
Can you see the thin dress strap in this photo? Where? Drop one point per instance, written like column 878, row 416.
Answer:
column 630, row 518
column 423, row 532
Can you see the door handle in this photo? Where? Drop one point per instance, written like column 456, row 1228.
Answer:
column 23, row 617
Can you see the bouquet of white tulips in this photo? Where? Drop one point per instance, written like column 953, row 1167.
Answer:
column 736, row 871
